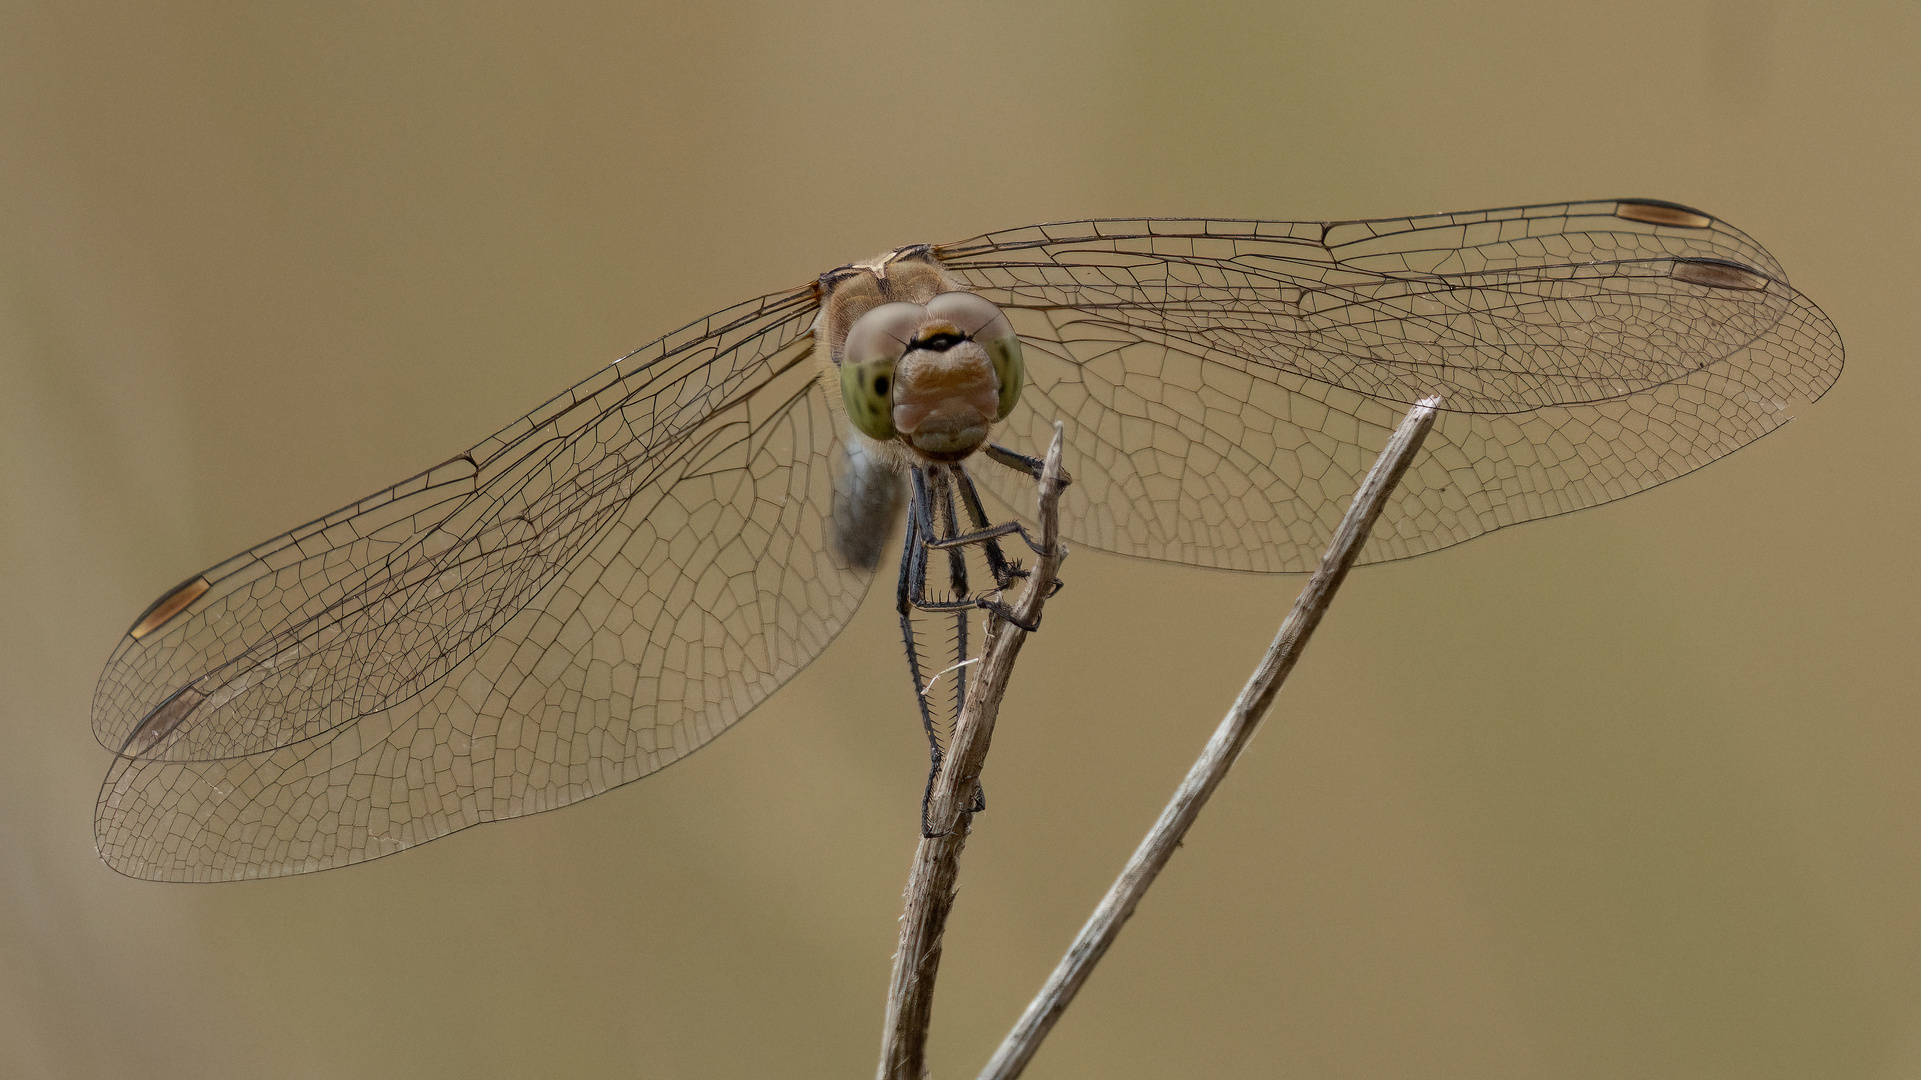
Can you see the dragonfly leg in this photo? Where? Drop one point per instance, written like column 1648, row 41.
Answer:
column 913, row 572
column 927, row 502
column 1004, row 570
column 984, row 537
column 957, row 578
column 931, row 539
column 1020, row 462
column 951, row 540
column 970, row 603
column 943, row 490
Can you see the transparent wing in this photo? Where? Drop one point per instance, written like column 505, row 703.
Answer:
column 1225, row 384
column 587, row 596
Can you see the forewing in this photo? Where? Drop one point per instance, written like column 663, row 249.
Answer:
column 581, row 599
column 1225, row 384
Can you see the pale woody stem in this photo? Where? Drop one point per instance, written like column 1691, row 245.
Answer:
column 930, row 884
column 1229, row 739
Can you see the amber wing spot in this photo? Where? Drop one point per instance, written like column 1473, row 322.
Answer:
column 1657, row 213
column 175, row 602
column 1718, row 274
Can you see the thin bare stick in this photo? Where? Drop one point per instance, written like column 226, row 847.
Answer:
column 930, row 884
column 1229, row 739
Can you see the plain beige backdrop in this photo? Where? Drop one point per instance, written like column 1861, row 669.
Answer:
column 1635, row 792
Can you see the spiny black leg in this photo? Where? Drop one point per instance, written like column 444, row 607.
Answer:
column 943, row 492
column 984, row 604
column 911, row 593
column 929, row 539
column 985, row 532
column 992, row 532
column 922, row 505
column 997, row 562
column 942, row 489
column 972, row 602
column 1020, row 462
column 913, row 571
column 934, row 540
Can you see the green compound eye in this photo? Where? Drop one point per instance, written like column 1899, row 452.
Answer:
column 1009, row 368
column 874, row 344
column 868, row 391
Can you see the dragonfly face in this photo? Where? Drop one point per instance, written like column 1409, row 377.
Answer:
column 920, row 362
column 609, row 582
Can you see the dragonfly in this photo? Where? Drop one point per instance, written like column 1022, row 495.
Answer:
column 608, row 583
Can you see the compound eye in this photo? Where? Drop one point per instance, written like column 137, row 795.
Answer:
column 973, row 315
column 883, row 333
column 874, row 344
column 982, row 322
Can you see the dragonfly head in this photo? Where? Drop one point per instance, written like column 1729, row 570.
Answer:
column 935, row 375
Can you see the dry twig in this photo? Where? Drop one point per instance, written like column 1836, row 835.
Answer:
column 1229, row 739
column 930, row 885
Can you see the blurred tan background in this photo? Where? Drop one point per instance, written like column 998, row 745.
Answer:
column 1635, row 792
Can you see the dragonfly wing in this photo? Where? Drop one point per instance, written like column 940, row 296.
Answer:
column 591, row 594
column 1226, row 384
